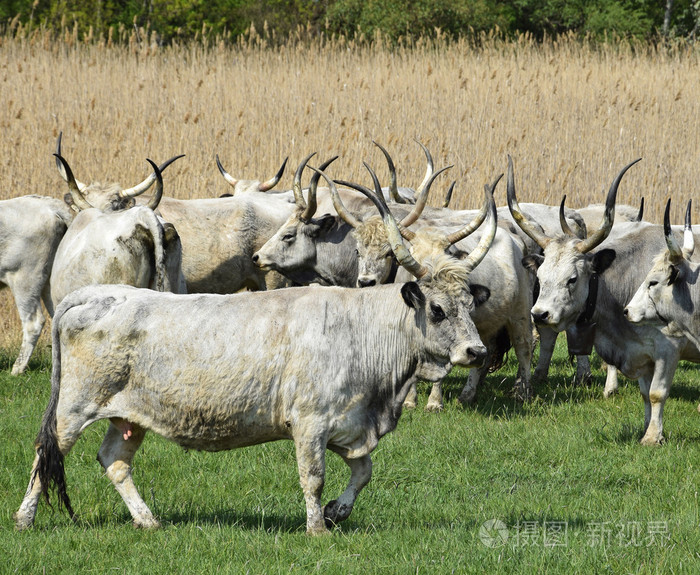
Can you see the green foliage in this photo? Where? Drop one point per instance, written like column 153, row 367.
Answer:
column 395, row 19
column 569, row 457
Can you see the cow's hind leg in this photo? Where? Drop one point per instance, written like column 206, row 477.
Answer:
column 24, row 516
column 360, row 473
column 116, row 452
column 51, row 448
column 32, row 318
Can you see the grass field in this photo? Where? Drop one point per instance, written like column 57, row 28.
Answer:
column 564, row 474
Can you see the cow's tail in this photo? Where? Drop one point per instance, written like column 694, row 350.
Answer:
column 501, row 345
column 49, row 469
column 155, row 229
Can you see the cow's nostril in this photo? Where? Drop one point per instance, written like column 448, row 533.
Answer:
column 366, row 283
column 540, row 317
column 256, row 257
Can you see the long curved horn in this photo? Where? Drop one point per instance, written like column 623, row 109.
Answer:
column 428, row 170
column 674, row 249
column 448, row 195
column 401, row 252
column 61, row 169
column 533, row 232
column 479, row 252
column 78, row 199
column 149, row 181
column 313, row 184
column 272, row 182
column 688, row 238
column 640, row 213
column 462, row 233
column 597, row 237
column 339, row 206
column 296, row 186
column 422, row 199
column 155, row 199
column 393, row 186
column 564, row 224
column 228, row 177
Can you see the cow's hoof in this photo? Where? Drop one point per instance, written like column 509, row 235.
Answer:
column 610, row 392
column 22, row 522
column 18, row 370
column 150, row 524
column 523, row 394
column 334, row 513
column 653, row 440
column 434, row 407
column 409, row 404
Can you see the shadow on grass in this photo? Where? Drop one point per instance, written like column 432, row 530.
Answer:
column 269, row 522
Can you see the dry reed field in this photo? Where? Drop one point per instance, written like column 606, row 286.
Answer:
column 570, row 114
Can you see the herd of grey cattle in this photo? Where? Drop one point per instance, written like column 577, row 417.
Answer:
column 167, row 314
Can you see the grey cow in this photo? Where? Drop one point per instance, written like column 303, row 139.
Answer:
column 138, row 358
column 588, row 282
column 668, row 297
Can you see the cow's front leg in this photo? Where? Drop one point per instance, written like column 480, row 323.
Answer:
column 311, row 462
column 360, row 473
column 435, row 402
column 611, row 380
column 659, row 389
column 411, row 400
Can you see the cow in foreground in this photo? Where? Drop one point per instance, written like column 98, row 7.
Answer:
column 326, row 367
column 668, row 298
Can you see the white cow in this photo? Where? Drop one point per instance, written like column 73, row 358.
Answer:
column 125, row 246
column 326, row 367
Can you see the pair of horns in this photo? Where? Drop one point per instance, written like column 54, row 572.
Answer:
column 676, row 251
column 76, row 187
column 541, row 239
column 264, row 187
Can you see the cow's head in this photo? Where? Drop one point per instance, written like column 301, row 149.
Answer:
column 376, row 261
column 108, row 197
column 243, row 186
column 440, row 296
column 294, row 245
column 664, row 295
column 567, row 265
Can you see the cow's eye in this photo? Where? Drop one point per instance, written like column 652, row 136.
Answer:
column 652, row 283
column 437, row 312
column 572, row 280
column 288, row 238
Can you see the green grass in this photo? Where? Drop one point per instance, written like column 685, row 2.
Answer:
column 569, row 459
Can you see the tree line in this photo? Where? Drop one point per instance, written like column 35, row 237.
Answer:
column 395, row 19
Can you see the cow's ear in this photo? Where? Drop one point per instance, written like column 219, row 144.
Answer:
column 481, row 294
column 532, row 262
column 412, row 295
column 324, row 224
column 170, row 233
column 673, row 274
column 602, row 260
